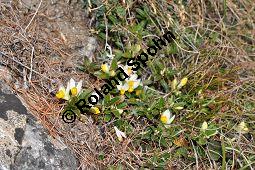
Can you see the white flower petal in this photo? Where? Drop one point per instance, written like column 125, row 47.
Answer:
column 67, row 97
column 119, row 134
column 79, row 85
column 125, row 87
column 171, row 120
column 125, row 67
column 123, row 134
column 68, row 88
column 61, row 87
column 133, row 77
column 72, row 83
column 122, row 87
column 137, row 83
column 204, row 126
column 119, row 87
column 167, row 114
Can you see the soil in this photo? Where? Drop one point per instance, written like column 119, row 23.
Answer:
column 43, row 42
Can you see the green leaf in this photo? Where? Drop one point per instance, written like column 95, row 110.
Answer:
column 113, row 19
column 164, row 85
column 114, row 64
column 172, row 49
column 200, row 151
column 163, row 142
column 121, row 12
column 161, row 103
column 118, row 54
column 166, row 156
column 84, row 94
column 149, row 116
column 215, row 155
column 132, row 101
column 116, row 113
column 107, row 117
column 101, row 75
column 122, row 105
column 102, row 35
column 113, row 101
column 141, row 12
column 211, row 131
column 181, row 152
column 107, row 98
column 201, row 140
column 101, row 156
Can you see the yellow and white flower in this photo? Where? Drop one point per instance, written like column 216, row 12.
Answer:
column 166, row 117
column 63, row 93
column 105, row 68
column 183, row 82
column 75, row 88
column 122, row 88
column 133, row 82
column 72, row 86
column 128, row 70
column 120, row 134
column 242, row 127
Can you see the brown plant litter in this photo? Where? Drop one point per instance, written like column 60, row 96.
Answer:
column 42, row 42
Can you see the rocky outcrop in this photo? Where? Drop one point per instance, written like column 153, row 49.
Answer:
column 24, row 144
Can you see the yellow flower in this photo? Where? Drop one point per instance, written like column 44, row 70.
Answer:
column 133, row 82
column 204, row 126
column 138, row 92
column 163, row 119
column 183, row 82
column 122, row 88
column 105, row 68
column 242, row 127
column 120, row 134
column 166, row 117
column 112, row 73
column 128, row 70
column 75, row 87
column 95, row 110
column 63, row 93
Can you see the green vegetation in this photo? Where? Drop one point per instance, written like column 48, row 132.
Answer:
column 212, row 112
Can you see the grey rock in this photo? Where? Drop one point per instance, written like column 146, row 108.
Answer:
column 38, row 152
column 24, row 144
